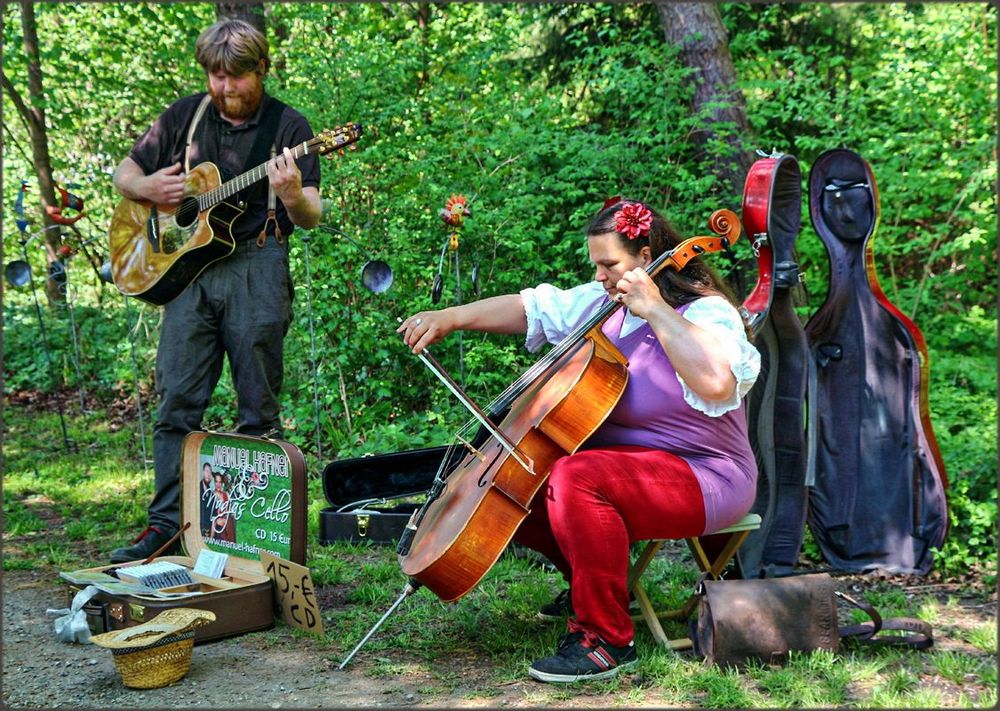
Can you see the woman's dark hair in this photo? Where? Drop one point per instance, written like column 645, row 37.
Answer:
column 694, row 281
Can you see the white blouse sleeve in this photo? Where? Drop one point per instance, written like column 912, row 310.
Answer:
column 715, row 314
column 553, row 313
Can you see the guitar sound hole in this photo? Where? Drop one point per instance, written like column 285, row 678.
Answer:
column 187, row 212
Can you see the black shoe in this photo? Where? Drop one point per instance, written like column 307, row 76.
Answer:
column 562, row 607
column 578, row 659
column 146, row 544
column 558, row 609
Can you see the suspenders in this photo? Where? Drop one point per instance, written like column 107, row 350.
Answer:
column 262, row 237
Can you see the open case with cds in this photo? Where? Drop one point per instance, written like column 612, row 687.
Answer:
column 239, row 495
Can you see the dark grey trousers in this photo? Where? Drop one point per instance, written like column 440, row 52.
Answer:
column 240, row 308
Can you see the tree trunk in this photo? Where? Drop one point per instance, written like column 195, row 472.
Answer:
column 252, row 12
column 696, row 28
column 33, row 114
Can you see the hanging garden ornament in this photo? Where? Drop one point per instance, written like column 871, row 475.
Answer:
column 22, row 224
column 66, row 200
column 455, row 210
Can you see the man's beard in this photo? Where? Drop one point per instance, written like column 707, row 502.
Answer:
column 239, row 106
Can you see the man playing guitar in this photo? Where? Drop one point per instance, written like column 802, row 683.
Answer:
column 238, row 306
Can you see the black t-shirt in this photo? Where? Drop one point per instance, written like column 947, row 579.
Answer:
column 228, row 147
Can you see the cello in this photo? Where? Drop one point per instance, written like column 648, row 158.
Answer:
column 472, row 513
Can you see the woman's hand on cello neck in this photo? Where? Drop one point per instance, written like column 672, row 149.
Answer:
column 639, row 293
column 497, row 314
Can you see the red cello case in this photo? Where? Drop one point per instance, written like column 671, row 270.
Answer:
column 772, row 217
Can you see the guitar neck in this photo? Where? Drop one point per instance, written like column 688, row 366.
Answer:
column 243, row 181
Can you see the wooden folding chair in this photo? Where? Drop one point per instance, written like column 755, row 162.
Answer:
column 712, row 553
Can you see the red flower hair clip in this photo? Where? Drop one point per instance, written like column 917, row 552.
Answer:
column 634, row 220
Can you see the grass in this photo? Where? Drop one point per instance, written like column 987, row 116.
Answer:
column 94, row 499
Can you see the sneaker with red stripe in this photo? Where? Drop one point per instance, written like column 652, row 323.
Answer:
column 582, row 656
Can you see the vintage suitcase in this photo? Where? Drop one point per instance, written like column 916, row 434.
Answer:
column 262, row 506
column 360, row 490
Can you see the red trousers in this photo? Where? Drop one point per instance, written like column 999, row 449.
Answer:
column 595, row 504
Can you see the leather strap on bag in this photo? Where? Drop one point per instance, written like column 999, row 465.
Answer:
column 867, row 631
column 767, row 618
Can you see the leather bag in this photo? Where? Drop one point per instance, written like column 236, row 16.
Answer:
column 765, row 619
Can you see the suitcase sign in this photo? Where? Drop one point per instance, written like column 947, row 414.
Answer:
column 244, row 498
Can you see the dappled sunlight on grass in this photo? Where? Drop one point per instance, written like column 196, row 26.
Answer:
column 983, row 637
column 96, row 499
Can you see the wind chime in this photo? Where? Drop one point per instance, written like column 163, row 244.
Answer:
column 18, row 274
column 376, row 276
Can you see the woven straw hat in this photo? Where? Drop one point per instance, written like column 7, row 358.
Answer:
column 158, row 652
column 169, row 622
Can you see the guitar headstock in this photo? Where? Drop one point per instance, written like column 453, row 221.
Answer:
column 336, row 139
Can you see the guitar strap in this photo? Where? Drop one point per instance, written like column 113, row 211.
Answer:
column 194, row 123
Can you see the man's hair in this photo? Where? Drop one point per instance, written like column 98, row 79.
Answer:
column 233, row 46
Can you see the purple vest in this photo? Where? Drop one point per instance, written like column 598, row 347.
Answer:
column 652, row 413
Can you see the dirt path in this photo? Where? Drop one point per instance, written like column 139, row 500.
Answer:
column 271, row 669
column 280, row 669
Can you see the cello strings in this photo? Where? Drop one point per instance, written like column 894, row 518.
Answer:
column 503, row 401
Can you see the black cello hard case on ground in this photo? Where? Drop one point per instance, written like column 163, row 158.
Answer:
column 878, row 501
column 361, row 492
column 772, row 217
column 265, row 509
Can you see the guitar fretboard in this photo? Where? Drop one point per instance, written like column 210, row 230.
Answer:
column 244, row 180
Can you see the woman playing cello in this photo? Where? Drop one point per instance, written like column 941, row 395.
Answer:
column 672, row 460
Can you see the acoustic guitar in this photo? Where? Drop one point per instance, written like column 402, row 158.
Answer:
column 157, row 250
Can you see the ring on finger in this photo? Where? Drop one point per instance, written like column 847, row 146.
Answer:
column 417, row 322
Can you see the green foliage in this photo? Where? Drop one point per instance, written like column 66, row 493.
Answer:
column 963, row 399
column 537, row 113
column 906, row 86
